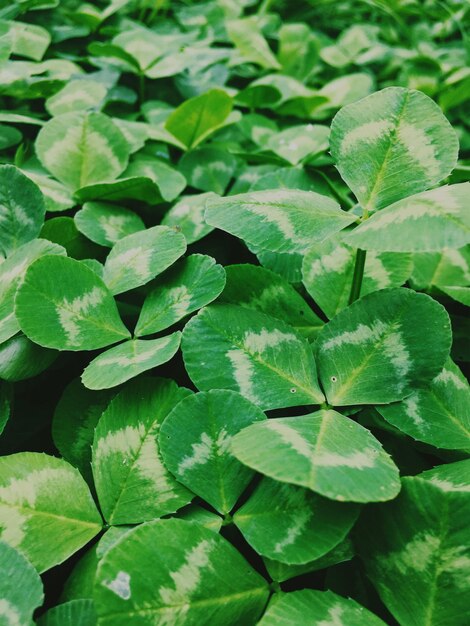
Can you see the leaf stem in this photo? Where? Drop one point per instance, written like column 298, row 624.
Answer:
column 358, row 275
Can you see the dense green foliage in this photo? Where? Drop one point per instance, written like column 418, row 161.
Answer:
column 234, row 272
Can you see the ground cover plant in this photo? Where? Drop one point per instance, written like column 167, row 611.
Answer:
column 234, row 280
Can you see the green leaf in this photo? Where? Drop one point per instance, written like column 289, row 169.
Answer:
column 198, row 515
column 132, row 483
column 106, row 223
column 187, row 215
column 298, row 50
column 20, row 359
column 374, row 352
column 298, row 142
column 323, row 451
column 262, row 290
column 73, row 613
column 12, row 271
column 78, row 95
column 199, row 117
column 29, row 40
column 278, row 220
column 129, row 359
column 341, row 91
column 292, row 524
column 208, row 169
column 459, row 294
column 440, row 269
column 417, row 556
column 56, row 196
column 133, row 188
column 189, row 285
column 438, row 414
column 62, row 230
column 45, row 502
column 195, row 443
column 328, row 270
column 9, row 136
column 82, row 149
column 288, row 266
column 292, row 178
column 22, row 209
column 392, row 144
column 231, row 347
column 246, row 35
column 73, row 424
column 139, row 257
column 324, row 608
column 281, row 572
column 429, row 221
column 170, row 183
column 177, row 571
column 64, row 305
column 20, row 588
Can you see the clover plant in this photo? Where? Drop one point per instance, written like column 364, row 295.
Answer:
column 234, row 272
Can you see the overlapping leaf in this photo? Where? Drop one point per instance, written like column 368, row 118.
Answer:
column 195, row 442
column 177, row 570
column 232, row 347
column 291, row 220
column 63, row 304
column 45, row 503
column 400, row 139
column 373, row 352
column 323, row 451
column 132, row 483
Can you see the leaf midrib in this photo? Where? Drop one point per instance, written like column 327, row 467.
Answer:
column 252, row 355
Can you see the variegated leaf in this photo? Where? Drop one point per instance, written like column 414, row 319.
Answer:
column 106, row 223
column 22, row 209
column 324, row 608
column 128, row 360
column 260, row 289
column 441, row 269
column 427, row 222
column 21, row 591
column 323, row 451
column 231, row 347
column 137, row 258
column 281, row 572
column 195, row 443
column 132, row 483
column 82, row 148
column 328, row 270
column 188, row 216
column 438, row 414
column 74, row 613
column 418, row 557
column 292, row 524
column 283, row 220
column 189, row 285
column 78, row 95
column 12, row 271
column 63, row 304
column 374, row 352
column 176, row 571
column 46, row 509
column 392, row 144
column 299, row 142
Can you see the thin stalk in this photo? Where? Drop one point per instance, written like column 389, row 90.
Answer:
column 358, row 275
